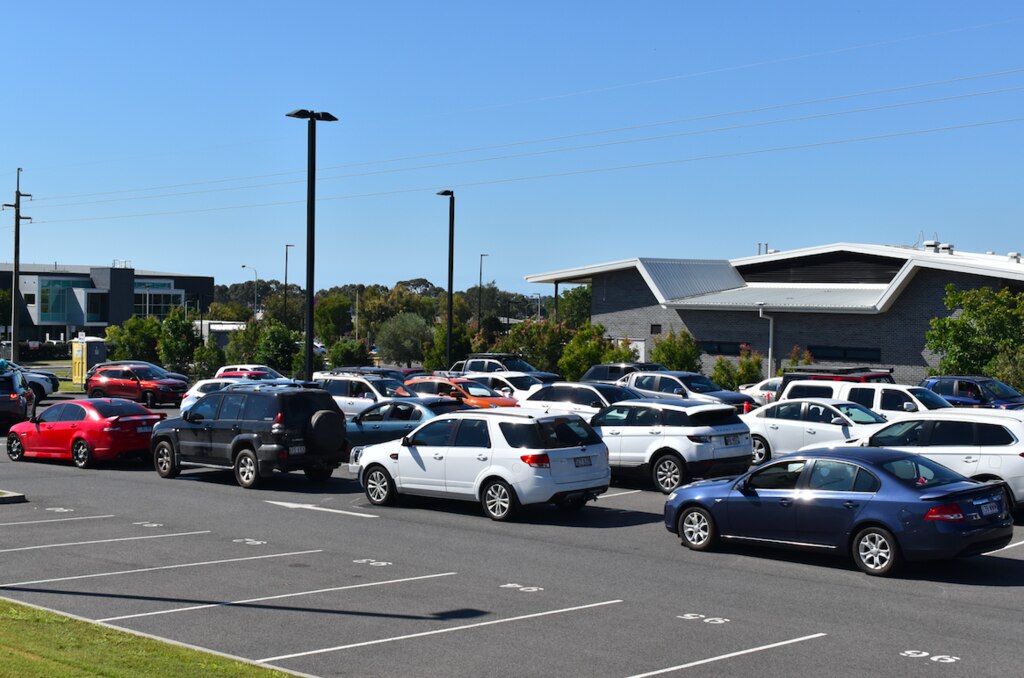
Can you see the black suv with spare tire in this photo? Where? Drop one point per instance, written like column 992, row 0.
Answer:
column 255, row 430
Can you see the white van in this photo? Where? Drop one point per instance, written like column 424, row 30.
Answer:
column 893, row 401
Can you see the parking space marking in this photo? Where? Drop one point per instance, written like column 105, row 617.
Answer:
column 619, row 494
column 314, row 507
column 435, row 632
column 105, row 541
column 56, row 520
column 1007, row 547
column 159, row 567
column 277, row 597
column 729, row 656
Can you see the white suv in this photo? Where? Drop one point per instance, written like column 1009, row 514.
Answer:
column 501, row 457
column 516, row 385
column 892, row 401
column 674, row 441
column 356, row 392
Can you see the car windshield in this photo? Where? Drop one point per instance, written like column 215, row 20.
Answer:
column 549, row 435
column 698, row 383
column 930, row 399
column 997, row 389
column 614, row 394
column 446, row 406
column 393, row 388
column 477, row 390
column 519, row 365
column 921, row 472
column 859, row 414
column 118, row 408
column 523, row 383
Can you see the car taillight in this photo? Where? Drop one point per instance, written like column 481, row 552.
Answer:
column 699, row 439
column 949, row 513
column 536, row 460
column 746, row 407
column 111, row 424
column 277, row 427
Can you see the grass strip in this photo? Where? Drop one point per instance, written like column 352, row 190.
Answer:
column 35, row 642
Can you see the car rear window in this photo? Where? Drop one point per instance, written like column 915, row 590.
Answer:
column 549, row 435
column 6, row 383
column 716, row 417
column 118, row 408
column 921, row 472
column 446, row 407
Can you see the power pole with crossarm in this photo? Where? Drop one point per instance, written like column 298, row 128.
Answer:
column 16, row 273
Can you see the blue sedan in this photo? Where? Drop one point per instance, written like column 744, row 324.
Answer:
column 392, row 419
column 878, row 506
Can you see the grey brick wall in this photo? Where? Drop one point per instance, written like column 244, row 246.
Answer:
column 624, row 304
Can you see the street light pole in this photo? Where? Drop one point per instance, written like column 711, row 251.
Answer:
column 286, row 284
column 311, row 117
column 537, row 294
column 480, row 295
column 451, row 267
column 255, row 287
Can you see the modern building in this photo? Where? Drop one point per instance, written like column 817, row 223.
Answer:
column 848, row 304
column 59, row 301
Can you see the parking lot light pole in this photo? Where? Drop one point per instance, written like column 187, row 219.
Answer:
column 451, row 267
column 286, row 284
column 311, row 117
column 480, row 295
column 255, row 287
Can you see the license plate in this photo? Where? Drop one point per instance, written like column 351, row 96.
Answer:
column 144, row 429
column 732, row 440
column 989, row 509
column 583, row 461
column 297, row 449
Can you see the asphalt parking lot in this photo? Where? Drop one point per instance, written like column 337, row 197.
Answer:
column 315, row 580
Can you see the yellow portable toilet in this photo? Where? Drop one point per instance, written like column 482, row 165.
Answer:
column 85, row 352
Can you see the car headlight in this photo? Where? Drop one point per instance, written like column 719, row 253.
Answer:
column 163, row 387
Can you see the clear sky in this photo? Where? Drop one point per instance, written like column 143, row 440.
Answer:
column 573, row 133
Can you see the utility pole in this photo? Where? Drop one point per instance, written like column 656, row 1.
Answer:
column 16, row 273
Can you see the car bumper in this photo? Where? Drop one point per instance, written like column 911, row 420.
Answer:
column 542, row 493
column 955, row 543
column 716, row 468
column 278, row 458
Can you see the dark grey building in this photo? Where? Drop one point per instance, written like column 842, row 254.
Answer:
column 59, row 302
column 848, row 304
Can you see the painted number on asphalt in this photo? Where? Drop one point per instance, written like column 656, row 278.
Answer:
column 248, row 542
column 61, row 510
column 693, row 616
column 520, row 587
column 146, row 523
column 940, row 658
column 372, row 562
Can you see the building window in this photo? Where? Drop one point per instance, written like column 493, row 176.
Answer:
column 158, row 305
column 720, row 347
column 846, row 354
column 30, row 299
column 94, row 308
column 655, row 329
column 53, row 304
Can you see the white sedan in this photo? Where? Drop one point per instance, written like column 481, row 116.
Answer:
column 204, row 386
column 789, row 425
column 764, row 391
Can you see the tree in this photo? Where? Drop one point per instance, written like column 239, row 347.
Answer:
column 277, row 346
column 724, row 373
column 206, row 359
column 587, row 347
column 539, row 343
column 299, row 362
column 177, row 342
column 332, row 318
column 434, row 357
column 348, row 353
column 750, row 368
column 623, row 352
column 400, row 339
column 677, row 351
column 242, row 344
column 229, row 311
column 574, row 306
column 985, row 324
column 136, row 339
column 274, row 308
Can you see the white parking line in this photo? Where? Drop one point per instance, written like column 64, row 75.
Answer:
column 618, row 494
column 1007, row 547
column 56, row 520
column 729, row 656
column 104, row 541
column 160, row 567
column 433, row 633
column 277, row 597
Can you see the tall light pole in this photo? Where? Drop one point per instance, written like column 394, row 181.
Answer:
column 286, row 284
column 451, row 267
column 537, row 294
column 255, row 287
column 480, row 294
column 311, row 117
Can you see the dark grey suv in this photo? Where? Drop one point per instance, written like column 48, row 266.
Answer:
column 254, row 430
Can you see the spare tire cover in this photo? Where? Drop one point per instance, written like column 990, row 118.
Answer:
column 326, row 431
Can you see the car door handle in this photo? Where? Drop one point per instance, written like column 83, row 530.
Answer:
column 785, row 502
column 481, row 457
column 851, row 504
column 438, row 457
column 235, row 429
column 774, row 427
column 613, row 433
column 655, row 431
column 375, row 426
column 810, row 430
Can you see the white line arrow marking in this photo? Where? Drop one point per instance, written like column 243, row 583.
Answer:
column 314, row 507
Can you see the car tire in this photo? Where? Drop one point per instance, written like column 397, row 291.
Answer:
column 696, row 529
column 499, row 500
column 149, row 399
column 325, row 431
column 876, row 552
column 39, row 392
column 15, row 448
column 164, row 460
column 96, row 393
column 668, row 472
column 247, row 469
column 379, row 487
column 762, row 450
column 318, row 474
column 81, row 453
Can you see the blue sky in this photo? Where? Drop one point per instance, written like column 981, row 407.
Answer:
column 573, row 133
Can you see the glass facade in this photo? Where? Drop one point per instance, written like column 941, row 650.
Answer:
column 156, row 298
column 53, row 298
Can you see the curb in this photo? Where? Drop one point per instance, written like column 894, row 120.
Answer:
column 11, row 497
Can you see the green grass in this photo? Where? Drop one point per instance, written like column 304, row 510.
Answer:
column 34, row 643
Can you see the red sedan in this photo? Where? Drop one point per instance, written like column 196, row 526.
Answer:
column 84, row 431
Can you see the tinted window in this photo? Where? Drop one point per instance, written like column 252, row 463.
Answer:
column 810, row 391
column 426, row 387
column 549, row 435
column 647, row 383
column 859, row 414
column 997, row 389
column 52, row 414
column 7, row 383
column 435, row 434
column 930, row 399
column 392, row 388
column 834, row 476
column 231, row 409
column 921, row 472
column 901, row 434
column 118, row 407
column 542, row 393
column 523, row 383
column 206, row 407
column 669, row 385
column 259, row 408
column 716, row 417
column 781, row 476
column 446, row 407
column 211, row 387
column 614, row 394
column 611, row 416
column 646, row 416
column 586, row 397
column 72, row 412
column 374, row 413
column 516, row 365
column 863, row 396
column 402, row 412
column 951, row 433
column 818, row 414
column 335, row 387
column 698, row 383
column 866, row 482
column 472, row 433
column 968, row 389
column 893, row 400
column 786, row 411
column 944, row 387
column 993, row 434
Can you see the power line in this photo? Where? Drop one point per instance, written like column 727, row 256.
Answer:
column 594, row 170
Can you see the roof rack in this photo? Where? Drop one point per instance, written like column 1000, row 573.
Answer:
column 811, row 369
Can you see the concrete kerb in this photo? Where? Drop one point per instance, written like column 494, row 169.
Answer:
column 11, row 497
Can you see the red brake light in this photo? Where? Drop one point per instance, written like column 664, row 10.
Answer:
column 949, row 513
column 746, row 407
column 14, row 396
column 537, row 460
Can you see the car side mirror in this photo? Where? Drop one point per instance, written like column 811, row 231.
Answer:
column 837, row 421
column 406, row 441
column 33, row 419
column 909, row 407
column 507, row 392
column 193, row 417
column 677, row 391
column 596, row 403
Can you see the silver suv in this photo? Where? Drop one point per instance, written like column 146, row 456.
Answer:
column 356, row 392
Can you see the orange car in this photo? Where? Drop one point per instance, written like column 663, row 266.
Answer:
column 468, row 391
